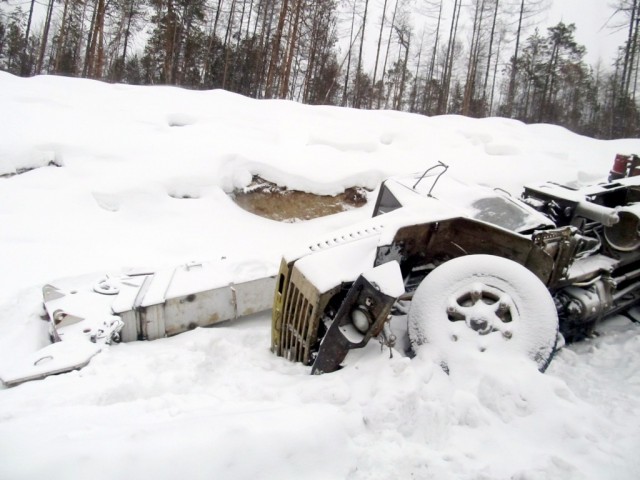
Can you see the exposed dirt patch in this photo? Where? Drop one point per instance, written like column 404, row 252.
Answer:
column 271, row 201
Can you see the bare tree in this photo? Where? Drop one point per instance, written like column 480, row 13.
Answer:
column 631, row 7
column 352, row 38
column 474, row 57
column 358, row 86
column 386, row 56
column 403, row 32
column 514, row 64
column 375, row 68
column 443, row 98
column 293, row 37
column 490, row 53
column 275, row 51
column 45, row 36
column 527, row 9
column 26, row 60
column 430, row 80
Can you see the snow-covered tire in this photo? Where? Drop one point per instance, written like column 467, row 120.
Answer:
column 485, row 303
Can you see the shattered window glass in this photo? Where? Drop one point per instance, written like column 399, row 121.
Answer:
column 502, row 212
column 387, row 203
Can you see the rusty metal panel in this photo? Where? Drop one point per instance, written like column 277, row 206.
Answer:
column 300, row 318
column 278, row 303
column 440, row 241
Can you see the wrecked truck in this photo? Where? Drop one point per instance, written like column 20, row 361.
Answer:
column 470, row 267
column 474, row 267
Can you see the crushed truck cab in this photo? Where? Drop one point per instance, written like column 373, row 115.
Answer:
column 576, row 248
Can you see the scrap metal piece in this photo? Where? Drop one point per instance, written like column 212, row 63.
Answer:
column 363, row 301
column 84, row 314
column 59, row 357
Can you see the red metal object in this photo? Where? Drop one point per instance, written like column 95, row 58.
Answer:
column 620, row 167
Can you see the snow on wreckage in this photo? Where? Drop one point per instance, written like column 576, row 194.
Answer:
column 495, row 274
column 486, row 273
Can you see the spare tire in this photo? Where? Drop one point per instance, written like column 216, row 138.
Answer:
column 486, row 303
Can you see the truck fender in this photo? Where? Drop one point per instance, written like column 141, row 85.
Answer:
column 361, row 315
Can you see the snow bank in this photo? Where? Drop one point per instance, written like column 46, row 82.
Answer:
column 215, row 402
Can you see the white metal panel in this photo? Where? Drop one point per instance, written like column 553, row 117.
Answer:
column 153, row 326
column 198, row 310
column 207, row 308
column 255, row 296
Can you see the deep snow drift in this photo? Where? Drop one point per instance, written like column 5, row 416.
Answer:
column 215, row 403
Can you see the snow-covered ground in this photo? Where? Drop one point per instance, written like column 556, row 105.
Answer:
column 215, row 403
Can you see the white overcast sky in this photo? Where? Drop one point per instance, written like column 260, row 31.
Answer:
column 590, row 17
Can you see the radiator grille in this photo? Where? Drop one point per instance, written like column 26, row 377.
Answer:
column 299, row 326
column 297, row 312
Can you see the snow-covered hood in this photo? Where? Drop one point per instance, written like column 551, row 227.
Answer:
column 417, row 203
column 432, row 195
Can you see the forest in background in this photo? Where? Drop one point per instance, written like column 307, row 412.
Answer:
column 474, row 57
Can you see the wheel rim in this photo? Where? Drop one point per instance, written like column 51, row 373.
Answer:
column 483, row 303
column 483, row 309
